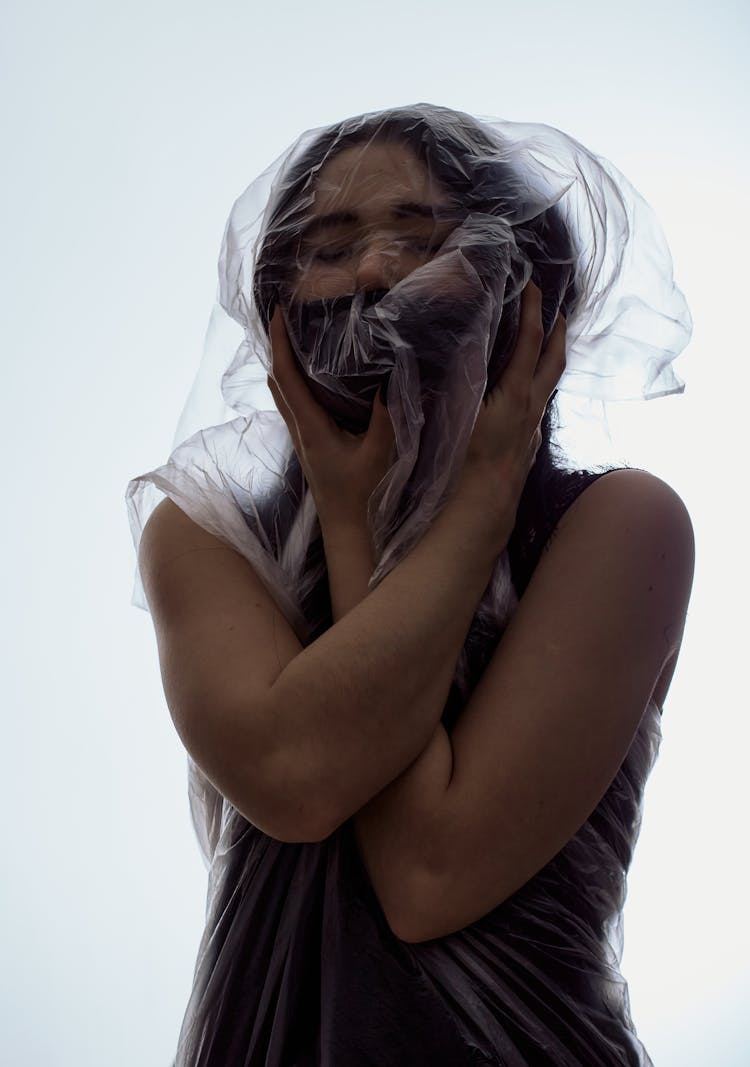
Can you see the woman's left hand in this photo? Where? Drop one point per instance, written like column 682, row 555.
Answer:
column 341, row 468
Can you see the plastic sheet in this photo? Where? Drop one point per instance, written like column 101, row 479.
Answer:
column 397, row 245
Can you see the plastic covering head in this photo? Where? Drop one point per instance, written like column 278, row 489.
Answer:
column 393, row 245
column 397, row 245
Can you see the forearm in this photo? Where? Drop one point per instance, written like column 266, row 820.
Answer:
column 350, row 562
column 357, row 706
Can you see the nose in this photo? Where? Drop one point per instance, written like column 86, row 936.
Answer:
column 379, row 265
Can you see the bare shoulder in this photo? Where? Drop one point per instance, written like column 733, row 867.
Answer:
column 168, row 528
column 165, row 514
column 591, row 644
column 223, row 642
column 635, row 486
column 616, row 576
column 640, row 531
column 637, row 513
column 170, row 535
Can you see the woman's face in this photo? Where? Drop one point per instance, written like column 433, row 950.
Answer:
column 377, row 216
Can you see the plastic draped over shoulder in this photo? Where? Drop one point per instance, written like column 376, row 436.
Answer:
column 398, row 244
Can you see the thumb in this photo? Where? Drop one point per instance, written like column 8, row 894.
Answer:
column 380, row 431
column 380, row 412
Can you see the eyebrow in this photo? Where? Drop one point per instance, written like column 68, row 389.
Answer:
column 406, row 209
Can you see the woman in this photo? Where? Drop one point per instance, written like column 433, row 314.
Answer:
column 419, row 725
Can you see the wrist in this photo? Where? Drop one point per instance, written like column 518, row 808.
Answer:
column 349, row 563
column 487, row 504
column 346, row 534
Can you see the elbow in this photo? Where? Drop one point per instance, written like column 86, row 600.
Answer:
column 292, row 809
column 289, row 829
column 277, row 817
column 269, row 789
column 297, row 829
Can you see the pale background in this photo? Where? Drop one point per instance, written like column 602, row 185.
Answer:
column 127, row 132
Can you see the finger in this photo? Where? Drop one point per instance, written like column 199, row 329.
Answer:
column 285, row 412
column 525, row 356
column 552, row 361
column 380, row 431
column 278, row 397
column 308, row 414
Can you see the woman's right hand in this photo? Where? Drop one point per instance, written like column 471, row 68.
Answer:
column 342, row 469
column 507, row 434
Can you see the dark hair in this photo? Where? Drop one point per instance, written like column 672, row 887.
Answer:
column 460, row 155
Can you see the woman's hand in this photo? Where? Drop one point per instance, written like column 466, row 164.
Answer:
column 341, row 468
column 507, row 434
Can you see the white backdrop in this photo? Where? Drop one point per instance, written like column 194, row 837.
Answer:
column 127, row 132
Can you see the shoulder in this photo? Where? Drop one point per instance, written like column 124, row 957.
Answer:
column 633, row 532
column 635, row 508
column 168, row 528
column 165, row 515
column 169, row 536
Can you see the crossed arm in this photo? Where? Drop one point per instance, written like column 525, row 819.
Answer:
column 594, row 638
column 301, row 739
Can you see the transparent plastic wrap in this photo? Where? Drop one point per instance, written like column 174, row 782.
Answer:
column 297, row 964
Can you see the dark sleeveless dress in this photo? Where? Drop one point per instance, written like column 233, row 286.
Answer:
column 297, row 966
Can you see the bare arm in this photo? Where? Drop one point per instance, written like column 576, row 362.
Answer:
column 359, row 705
column 595, row 636
column 388, row 826
column 298, row 739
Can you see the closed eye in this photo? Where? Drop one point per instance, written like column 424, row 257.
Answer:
column 330, row 255
column 418, row 244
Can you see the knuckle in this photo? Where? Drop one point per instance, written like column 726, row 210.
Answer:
column 519, row 395
column 512, row 387
column 530, row 410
